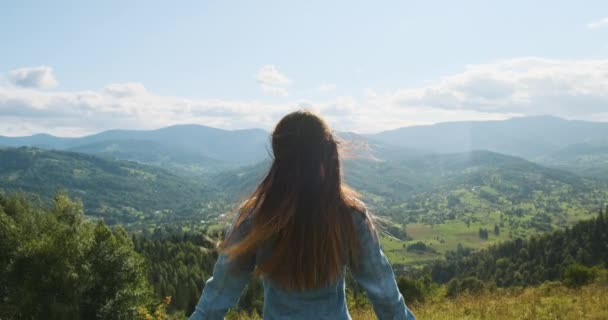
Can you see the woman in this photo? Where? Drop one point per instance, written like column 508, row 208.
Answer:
column 298, row 232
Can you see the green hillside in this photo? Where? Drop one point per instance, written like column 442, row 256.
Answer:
column 172, row 158
column 443, row 200
column 118, row 191
column 430, row 203
column 185, row 149
column 587, row 159
column 531, row 261
column 473, row 199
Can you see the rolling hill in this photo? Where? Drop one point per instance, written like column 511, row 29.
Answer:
column 183, row 149
column 445, row 199
column 442, row 196
column 586, row 159
column 196, row 149
column 527, row 137
column 177, row 160
column 118, row 191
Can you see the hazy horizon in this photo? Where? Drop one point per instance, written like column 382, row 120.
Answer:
column 270, row 129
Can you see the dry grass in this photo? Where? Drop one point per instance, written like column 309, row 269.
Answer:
column 551, row 301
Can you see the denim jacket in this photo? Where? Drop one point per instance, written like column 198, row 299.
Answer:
column 373, row 273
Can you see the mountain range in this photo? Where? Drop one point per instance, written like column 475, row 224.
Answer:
column 527, row 137
column 459, row 176
column 578, row 146
column 181, row 148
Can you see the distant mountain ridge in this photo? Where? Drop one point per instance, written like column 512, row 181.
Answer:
column 188, row 149
column 182, row 147
column 527, row 137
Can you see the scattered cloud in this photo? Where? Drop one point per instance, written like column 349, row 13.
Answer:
column 34, row 77
column 598, row 24
column 574, row 89
column 271, row 76
column 529, row 86
column 24, row 111
column 272, row 81
column 122, row 90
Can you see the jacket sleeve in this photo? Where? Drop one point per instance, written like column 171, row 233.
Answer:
column 223, row 289
column 373, row 272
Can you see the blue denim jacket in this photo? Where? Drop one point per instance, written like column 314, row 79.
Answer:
column 374, row 274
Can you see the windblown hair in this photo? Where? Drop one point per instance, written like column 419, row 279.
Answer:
column 301, row 208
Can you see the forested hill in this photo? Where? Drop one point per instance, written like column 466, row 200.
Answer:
column 436, row 187
column 118, row 191
column 474, row 199
column 528, row 137
column 531, row 261
column 475, row 187
column 448, row 171
column 587, row 159
column 402, row 177
column 182, row 148
column 577, row 146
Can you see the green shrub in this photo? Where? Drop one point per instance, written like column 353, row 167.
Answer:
column 577, row 275
column 413, row 291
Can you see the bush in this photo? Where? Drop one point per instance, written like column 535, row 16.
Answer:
column 453, row 288
column 420, row 247
column 471, row 285
column 412, row 290
column 577, row 275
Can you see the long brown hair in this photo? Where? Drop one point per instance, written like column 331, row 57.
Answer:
column 301, row 208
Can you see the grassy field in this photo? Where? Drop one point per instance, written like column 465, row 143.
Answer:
column 446, row 236
column 440, row 237
column 550, row 301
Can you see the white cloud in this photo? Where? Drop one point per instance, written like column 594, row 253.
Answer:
column 598, row 24
column 272, row 81
column 25, row 111
column 271, row 76
column 529, row 86
column 574, row 89
column 34, row 77
column 326, row 88
column 121, row 90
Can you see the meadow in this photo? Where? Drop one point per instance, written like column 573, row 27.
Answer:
column 550, row 301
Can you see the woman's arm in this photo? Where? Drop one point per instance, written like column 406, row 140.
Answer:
column 224, row 288
column 374, row 273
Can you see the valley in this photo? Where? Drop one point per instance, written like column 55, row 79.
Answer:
column 429, row 200
column 455, row 223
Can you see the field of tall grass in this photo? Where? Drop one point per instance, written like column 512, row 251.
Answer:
column 550, row 301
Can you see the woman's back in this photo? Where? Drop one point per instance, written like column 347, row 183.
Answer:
column 298, row 231
column 373, row 273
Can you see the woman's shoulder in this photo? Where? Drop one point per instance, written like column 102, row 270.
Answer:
column 360, row 214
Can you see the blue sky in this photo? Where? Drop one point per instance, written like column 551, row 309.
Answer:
column 78, row 67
